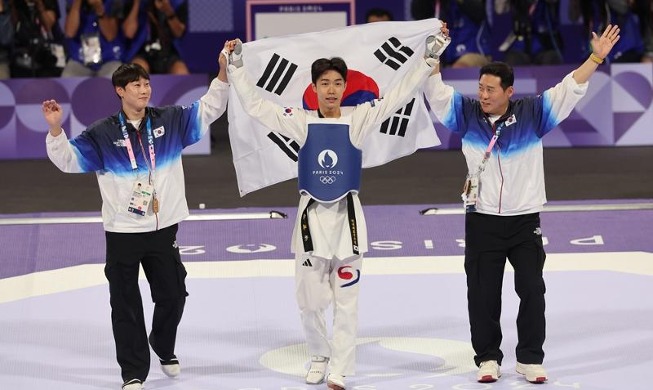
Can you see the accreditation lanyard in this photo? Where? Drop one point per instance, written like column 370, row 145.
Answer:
column 128, row 144
column 490, row 146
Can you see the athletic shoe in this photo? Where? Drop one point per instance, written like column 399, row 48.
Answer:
column 336, row 382
column 534, row 373
column 316, row 372
column 170, row 367
column 488, row 371
column 133, row 384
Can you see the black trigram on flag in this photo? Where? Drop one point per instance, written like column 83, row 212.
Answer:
column 398, row 123
column 393, row 54
column 277, row 75
column 288, row 146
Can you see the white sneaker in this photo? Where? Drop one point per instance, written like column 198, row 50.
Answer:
column 171, row 367
column 336, row 382
column 488, row 371
column 317, row 371
column 534, row 373
column 133, row 384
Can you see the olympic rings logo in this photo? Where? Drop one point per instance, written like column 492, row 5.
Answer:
column 327, row 179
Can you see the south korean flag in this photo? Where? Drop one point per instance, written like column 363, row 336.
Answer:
column 378, row 55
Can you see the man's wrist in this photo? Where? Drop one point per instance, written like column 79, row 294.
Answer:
column 596, row 59
column 55, row 131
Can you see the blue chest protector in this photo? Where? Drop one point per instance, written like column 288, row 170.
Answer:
column 329, row 165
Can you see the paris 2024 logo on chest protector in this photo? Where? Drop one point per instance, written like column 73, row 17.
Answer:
column 328, row 159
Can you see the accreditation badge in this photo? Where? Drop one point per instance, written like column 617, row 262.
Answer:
column 141, row 198
column 470, row 192
column 91, row 48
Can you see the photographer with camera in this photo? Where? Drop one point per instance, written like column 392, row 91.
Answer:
column 37, row 49
column 153, row 29
column 6, row 38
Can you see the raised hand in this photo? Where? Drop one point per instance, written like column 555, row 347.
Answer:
column 53, row 115
column 224, row 54
column 602, row 45
column 226, row 57
column 435, row 44
column 235, row 50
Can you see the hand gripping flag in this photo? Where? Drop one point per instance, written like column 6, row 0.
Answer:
column 377, row 56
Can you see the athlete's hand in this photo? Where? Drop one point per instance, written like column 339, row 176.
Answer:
column 53, row 113
column 232, row 51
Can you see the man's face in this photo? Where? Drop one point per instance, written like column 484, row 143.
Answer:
column 329, row 89
column 494, row 99
column 136, row 95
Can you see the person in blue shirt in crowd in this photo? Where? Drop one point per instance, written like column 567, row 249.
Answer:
column 95, row 46
column 153, row 29
column 535, row 38
column 597, row 14
column 644, row 11
column 470, row 30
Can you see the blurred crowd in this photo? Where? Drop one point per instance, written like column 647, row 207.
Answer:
column 535, row 37
column 96, row 36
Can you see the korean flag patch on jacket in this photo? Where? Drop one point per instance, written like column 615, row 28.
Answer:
column 159, row 131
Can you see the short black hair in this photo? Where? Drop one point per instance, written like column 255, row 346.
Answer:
column 378, row 12
column 502, row 71
column 128, row 73
column 322, row 65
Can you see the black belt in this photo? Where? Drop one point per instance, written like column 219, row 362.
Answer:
column 351, row 217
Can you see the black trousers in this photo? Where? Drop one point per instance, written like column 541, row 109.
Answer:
column 489, row 240
column 159, row 255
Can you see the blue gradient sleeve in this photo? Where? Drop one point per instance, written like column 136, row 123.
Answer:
column 89, row 156
column 454, row 120
column 191, row 123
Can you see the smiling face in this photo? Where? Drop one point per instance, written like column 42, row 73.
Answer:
column 135, row 96
column 329, row 87
column 494, row 99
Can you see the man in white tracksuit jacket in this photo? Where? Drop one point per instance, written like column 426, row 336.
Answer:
column 504, row 194
column 330, row 235
column 136, row 155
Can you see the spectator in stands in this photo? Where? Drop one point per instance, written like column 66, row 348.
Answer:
column 154, row 29
column 6, row 38
column 644, row 11
column 597, row 14
column 535, row 38
column 467, row 21
column 378, row 15
column 37, row 49
column 94, row 44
